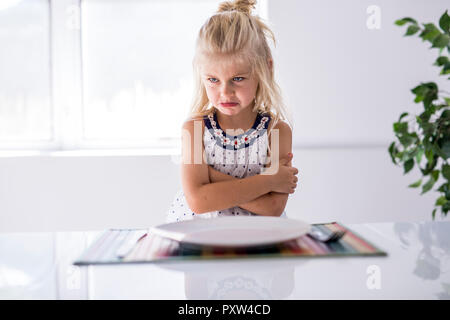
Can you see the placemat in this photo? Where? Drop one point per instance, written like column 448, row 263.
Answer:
column 151, row 248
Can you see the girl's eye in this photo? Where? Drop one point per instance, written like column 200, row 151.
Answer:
column 237, row 79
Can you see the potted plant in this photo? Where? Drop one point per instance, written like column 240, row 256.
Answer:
column 424, row 139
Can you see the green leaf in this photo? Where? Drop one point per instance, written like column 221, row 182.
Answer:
column 404, row 114
column 440, row 61
column 426, row 92
column 446, row 149
column 421, row 89
column 447, row 194
column 406, row 155
column 430, row 166
column 446, row 207
column 444, row 22
column 429, row 154
column 430, row 183
column 441, row 41
column 443, row 187
column 429, row 33
column 424, row 117
column 419, row 155
column 446, row 171
column 445, row 115
column 401, row 22
column 429, row 98
column 446, row 69
column 407, row 139
column 418, row 98
column 415, row 184
column 435, row 175
column 426, row 187
column 412, row 29
column 441, row 201
column 408, row 165
column 438, row 150
column 433, row 214
column 392, row 151
column 401, row 127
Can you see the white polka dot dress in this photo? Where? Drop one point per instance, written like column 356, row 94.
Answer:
column 240, row 156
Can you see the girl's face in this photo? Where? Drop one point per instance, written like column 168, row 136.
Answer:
column 230, row 87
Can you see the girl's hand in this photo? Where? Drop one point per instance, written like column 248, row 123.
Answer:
column 285, row 180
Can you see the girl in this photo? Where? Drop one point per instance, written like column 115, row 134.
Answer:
column 237, row 107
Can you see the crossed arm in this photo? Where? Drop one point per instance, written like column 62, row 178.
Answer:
column 272, row 203
column 269, row 204
column 203, row 186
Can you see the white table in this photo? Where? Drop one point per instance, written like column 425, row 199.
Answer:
column 39, row 266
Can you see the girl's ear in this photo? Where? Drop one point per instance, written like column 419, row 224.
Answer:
column 270, row 62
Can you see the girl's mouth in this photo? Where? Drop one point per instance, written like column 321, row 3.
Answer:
column 230, row 104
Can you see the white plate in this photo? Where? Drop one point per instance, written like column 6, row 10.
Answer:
column 233, row 231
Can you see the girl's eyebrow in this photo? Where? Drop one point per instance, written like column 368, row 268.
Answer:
column 239, row 74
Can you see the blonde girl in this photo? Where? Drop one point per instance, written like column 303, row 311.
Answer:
column 237, row 145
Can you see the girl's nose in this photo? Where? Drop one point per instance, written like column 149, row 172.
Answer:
column 226, row 89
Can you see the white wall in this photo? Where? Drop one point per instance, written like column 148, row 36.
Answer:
column 43, row 193
column 346, row 85
column 86, row 192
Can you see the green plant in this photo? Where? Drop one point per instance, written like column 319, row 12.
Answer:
column 424, row 140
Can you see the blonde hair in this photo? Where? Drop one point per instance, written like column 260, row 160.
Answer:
column 234, row 32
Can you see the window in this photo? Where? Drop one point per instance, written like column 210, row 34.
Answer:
column 25, row 99
column 118, row 75
column 137, row 67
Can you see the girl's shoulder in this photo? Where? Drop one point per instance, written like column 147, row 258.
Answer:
column 200, row 116
column 282, row 125
column 197, row 120
column 276, row 122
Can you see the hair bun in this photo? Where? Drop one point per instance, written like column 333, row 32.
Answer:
column 244, row 6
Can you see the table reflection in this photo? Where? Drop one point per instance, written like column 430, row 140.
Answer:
column 253, row 280
column 433, row 258
column 40, row 266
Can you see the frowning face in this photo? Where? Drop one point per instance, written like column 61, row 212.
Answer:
column 229, row 85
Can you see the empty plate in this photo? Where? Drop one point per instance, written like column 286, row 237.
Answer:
column 233, row 231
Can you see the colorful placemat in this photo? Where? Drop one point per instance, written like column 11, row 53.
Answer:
column 150, row 248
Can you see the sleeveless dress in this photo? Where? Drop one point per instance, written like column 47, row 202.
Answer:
column 240, row 156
